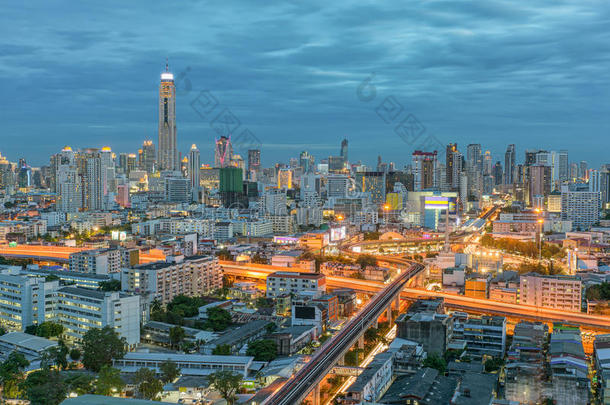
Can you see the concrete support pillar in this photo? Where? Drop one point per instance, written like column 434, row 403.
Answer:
column 316, row 395
column 389, row 313
column 361, row 342
column 397, row 302
column 341, row 361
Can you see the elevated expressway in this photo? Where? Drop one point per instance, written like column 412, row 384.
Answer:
column 459, row 302
column 309, row 377
column 61, row 254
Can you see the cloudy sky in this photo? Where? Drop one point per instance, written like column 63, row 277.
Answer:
column 305, row 74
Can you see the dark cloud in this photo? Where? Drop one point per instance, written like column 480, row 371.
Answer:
column 534, row 73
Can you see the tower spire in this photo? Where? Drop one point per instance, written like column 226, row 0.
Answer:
column 167, row 64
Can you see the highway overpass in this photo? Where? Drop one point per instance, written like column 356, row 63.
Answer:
column 322, row 362
column 466, row 304
column 61, row 254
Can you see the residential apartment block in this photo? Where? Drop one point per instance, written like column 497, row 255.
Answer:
column 559, row 292
column 191, row 276
column 279, row 283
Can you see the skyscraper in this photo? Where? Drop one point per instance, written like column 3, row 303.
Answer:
column 474, row 169
column 254, row 159
column 344, row 150
column 223, row 152
column 497, row 173
column 423, row 165
column 194, row 167
column 168, row 150
column 449, row 163
column 148, row 156
column 509, row 164
column 306, row 161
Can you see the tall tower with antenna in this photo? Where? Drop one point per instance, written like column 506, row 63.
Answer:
column 167, row 158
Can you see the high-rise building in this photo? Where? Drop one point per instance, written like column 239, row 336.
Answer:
column 604, row 186
column 374, row 183
column 223, row 152
column 497, row 173
column 67, row 182
column 474, row 169
column 254, row 160
column 563, row 173
column 148, row 157
column 343, row 152
column 449, row 163
column 194, row 167
column 306, row 162
column 423, row 165
column 168, row 149
column 583, row 170
column 573, row 171
column 580, row 206
column 284, row 179
column 509, row 164
column 231, row 186
column 177, row 189
column 540, row 181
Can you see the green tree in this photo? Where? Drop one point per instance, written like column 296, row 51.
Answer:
column 81, row 383
column 493, row 364
column 262, row 350
column 176, row 336
column 49, row 329
column 218, row 318
column 226, row 383
column 109, row 381
column 100, row 346
column 56, row 355
column 12, row 375
column 147, row 383
column 222, row 350
column 224, row 254
column 435, row 361
column 110, row 285
column 259, row 259
column 366, row 260
column 75, row 354
column 169, row 371
column 45, row 387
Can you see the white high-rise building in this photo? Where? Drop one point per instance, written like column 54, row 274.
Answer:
column 168, row 150
column 67, row 182
column 580, row 206
column 194, row 167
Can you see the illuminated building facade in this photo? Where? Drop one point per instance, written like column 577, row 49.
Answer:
column 168, row 151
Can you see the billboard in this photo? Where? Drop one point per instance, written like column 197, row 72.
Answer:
column 304, row 312
column 440, row 203
column 337, row 233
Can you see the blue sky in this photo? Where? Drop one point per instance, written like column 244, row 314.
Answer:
column 533, row 73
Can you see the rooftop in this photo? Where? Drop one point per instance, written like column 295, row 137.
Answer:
column 27, row 341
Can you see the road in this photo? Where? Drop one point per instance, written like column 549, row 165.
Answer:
column 62, row 253
column 325, row 358
column 466, row 304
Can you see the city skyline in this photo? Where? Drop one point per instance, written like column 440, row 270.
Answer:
column 545, row 89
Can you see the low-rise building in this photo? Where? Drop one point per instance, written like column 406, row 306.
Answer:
column 569, row 369
column 373, row 382
column 558, row 292
column 477, row 285
column 311, row 284
column 291, row 340
column 485, row 336
column 189, row 364
column 236, row 338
